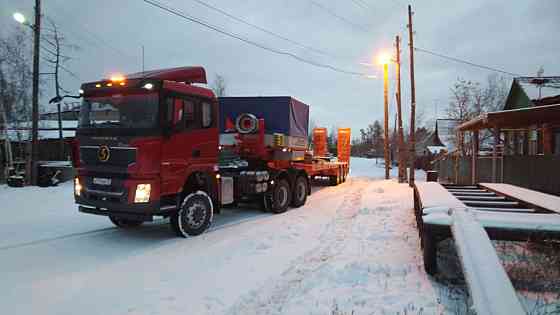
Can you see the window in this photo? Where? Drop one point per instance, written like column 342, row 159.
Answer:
column 206, row 115
column 190, row 117
column 177, row 111
column 120, row 111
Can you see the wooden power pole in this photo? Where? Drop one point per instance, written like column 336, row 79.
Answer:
column 35, row 97
column 412, row 155
column 401, row 149
column 386, row 118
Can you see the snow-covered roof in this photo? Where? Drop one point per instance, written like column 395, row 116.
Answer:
column 435, row 149
column 445, row 131
column 533, row 91
column 22, row 131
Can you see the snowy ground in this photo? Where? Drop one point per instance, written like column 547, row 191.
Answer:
column 352, row 248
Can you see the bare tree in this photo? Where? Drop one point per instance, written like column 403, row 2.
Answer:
column 56, row 42
column 469, row 99
column 463, row 95
column 16, row 77
column 219, row 85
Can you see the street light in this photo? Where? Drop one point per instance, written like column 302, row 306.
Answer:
column 20, row 18
column 384, row 59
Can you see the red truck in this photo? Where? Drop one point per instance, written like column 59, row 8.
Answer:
column 154, row 144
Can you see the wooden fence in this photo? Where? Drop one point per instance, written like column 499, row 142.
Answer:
column 538, row 172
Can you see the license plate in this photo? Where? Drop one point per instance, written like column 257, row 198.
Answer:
column 102, row 181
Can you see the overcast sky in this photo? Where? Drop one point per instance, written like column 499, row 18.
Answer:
column 516, row 36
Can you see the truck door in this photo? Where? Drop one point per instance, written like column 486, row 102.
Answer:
column 193, row 141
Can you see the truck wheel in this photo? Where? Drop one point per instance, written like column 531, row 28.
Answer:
column 194, row 215
column 333, row 180
column 125, row 223
column 299, row 196
column 281, row 196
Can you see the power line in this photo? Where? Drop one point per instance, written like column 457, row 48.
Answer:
column 262, row 29
column 465, row 62
column 246, row 40
column 96, row 39
column 341, row 18
column 360, row 4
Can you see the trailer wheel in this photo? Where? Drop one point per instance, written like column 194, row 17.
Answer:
column 125, row 223
column 333, row 180
column 281, row 196
column 429, row 252
column 299, row 196
column 194, row 215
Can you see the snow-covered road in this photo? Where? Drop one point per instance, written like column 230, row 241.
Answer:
column 351, row 248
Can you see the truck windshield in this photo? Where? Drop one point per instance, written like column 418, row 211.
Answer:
column 120, row 111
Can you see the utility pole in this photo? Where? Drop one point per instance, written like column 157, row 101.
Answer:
column 35, row 97
column 412, row 155
column 386, row 120
column 401, row 149
column 143, row 58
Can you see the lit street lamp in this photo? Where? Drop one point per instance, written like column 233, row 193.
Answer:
column 384, row 59
column 20, row 18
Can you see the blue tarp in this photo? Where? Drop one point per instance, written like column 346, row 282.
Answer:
column 281, row 114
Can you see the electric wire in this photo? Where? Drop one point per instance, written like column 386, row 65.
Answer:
column 465, row 62
column 190, row 18
column 339, row 17
column 264, row 30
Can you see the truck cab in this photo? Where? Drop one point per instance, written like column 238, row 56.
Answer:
column 147, row 145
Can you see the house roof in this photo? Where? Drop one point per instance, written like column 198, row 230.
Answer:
column 533, row 91
column 514, row 118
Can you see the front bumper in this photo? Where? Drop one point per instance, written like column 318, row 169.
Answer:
column 135, row 211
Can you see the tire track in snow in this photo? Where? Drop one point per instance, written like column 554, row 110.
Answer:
column 272, row 299
column 153, row 225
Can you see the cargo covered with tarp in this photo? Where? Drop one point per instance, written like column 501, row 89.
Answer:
column 281, row 114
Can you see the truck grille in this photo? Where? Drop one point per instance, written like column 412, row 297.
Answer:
column 119, row 156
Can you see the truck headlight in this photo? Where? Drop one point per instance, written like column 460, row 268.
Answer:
column 77, row 186
column 142, row 193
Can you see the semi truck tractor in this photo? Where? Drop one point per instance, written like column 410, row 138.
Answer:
column 160, row 144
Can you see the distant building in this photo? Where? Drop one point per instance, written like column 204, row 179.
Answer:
column 441, row 140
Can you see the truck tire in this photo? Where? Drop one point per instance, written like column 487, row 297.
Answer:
column 333, row 180
column 299, row 195
column 194, row 216
column 281, row 196
column 125, row 223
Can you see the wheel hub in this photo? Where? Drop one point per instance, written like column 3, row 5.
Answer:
column 282, row 195
column 301, row 191
column 196, row 214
